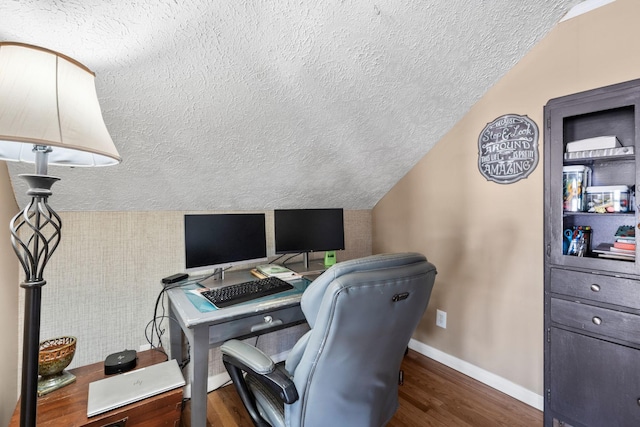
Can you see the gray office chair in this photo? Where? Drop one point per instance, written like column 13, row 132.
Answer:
column 345, row 370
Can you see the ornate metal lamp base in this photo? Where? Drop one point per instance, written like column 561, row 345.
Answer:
column 53, row 382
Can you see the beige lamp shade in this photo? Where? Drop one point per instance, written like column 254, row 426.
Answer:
column 49, row 99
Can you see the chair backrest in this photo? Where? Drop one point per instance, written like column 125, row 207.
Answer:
column 362, row 314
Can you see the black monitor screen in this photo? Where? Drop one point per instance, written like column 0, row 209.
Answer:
column 308, row 230
column 222, row 240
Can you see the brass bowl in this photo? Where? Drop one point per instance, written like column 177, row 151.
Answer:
column 55, row 355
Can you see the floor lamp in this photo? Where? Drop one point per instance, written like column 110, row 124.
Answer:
column 49, row 115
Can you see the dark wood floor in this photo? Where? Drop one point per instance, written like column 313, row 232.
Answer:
column 432, row 395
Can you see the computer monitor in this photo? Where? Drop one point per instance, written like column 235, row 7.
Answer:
column 308, row 230
column 219, row 241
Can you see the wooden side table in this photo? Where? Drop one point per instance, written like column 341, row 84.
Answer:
column 68, row 405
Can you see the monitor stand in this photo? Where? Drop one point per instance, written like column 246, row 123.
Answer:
column 305, row 260
column 218, row 274
column 308, row 266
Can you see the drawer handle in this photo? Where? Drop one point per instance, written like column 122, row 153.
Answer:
column 595, row 288
column 596, row 320
column 268, row 323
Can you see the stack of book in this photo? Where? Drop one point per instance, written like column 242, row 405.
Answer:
column 623, row 247
column 276, row 270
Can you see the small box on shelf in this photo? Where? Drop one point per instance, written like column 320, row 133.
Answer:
column 608, row 199
column 575, row 179
column 595, row 143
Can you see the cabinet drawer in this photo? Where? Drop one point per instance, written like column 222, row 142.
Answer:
column 607, row 289
column 612, row 323
column 259, row 323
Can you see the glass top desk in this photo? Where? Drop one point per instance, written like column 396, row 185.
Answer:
column 206, row 327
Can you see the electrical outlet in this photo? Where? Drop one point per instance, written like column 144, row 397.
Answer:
column 144, row 347
column 441, row 319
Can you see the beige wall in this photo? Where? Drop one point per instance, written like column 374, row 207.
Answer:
column 486, row 239
column 8, row 302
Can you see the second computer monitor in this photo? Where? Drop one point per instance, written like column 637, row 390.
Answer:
column 308, row 230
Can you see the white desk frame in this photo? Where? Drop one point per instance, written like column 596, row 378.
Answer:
column 212, row 329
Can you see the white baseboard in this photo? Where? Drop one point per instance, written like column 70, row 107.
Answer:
column 492, row 380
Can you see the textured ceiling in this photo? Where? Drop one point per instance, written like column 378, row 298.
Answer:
column 254, row 105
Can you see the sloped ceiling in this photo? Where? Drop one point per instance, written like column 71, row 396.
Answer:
column 257, row 105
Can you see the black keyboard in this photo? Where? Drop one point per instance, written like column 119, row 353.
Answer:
column 247, row 291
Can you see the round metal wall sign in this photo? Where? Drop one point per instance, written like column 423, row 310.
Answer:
column 508, row 149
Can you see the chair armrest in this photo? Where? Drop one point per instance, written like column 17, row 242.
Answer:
column 249, row 355
column 240, row 357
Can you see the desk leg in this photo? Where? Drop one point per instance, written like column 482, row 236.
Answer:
column 175, row 337
column 199, row 373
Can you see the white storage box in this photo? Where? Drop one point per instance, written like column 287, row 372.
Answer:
column 597, row 143
column 607, row 199
column 575, row 179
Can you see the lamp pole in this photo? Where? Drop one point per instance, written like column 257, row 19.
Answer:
column 35, row 234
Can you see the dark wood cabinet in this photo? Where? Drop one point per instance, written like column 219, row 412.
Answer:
column 68, row 405
column 592, row 301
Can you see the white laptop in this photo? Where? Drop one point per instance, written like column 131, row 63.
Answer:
column 123, row 389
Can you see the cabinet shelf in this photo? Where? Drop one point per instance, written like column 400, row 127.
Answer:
column 594, row 160
column 600, row 215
